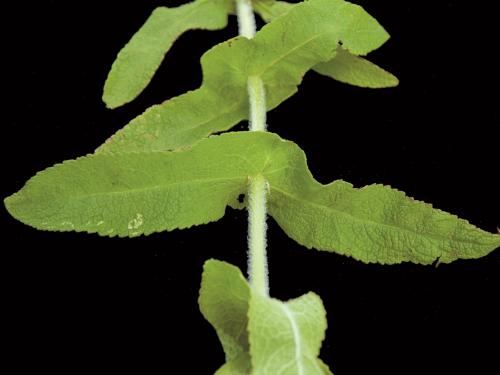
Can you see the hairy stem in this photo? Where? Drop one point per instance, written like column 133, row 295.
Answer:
column 257, row 190
column 246, row 18
column 257, row 258
column 257, row 97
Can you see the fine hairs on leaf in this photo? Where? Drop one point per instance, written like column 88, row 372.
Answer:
column 168, row 170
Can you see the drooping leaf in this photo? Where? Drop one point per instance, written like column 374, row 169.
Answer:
column 224, row 299
column 130, row 194
column 345, row 66
column 355, row 70
column 280, row 54
column 281, row 334
column 138, row 61
column 286, row 337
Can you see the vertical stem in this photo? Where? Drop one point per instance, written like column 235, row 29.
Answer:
column 257, row 190
column 257, row 97
column 246, row 18
column 257, row 258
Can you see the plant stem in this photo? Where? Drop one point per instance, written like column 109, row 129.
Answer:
column 257, row 190
column 246, row 18
column 257, row 258
column 257, row 97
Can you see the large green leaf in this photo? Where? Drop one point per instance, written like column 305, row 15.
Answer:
column 137, row 62
column 345, row 66
column 281, row 53
column 284, row 336
column 130, row 194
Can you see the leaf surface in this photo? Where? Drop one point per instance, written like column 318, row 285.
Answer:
column 271, row 9
column 281, row 53
column 357, row 71
column 285, row 338
column 140, row 193
column 345, row 66
column 224, row 299
column 324, row 367
column 137, row 62
column 238, row 366
column 131, row 194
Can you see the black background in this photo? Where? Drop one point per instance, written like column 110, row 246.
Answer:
column 75, row 302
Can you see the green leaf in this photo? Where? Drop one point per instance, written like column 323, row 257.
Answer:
column 285, row 338
column 137, row 62
column 131, row 194
column 282, row 335
column 224, row 299
column 374, row 223
column 355, row 70
column 324, row 367
column 142, row 193
column 281, row 53
column 238, row 366
column 271, row 9
column 345, row 66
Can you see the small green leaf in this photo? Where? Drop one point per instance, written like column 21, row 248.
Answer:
column 357, row 71
column 282, row 335
column 131, row 194
column 281, row 53
column 137, row 62
column 285, row 338
column 224, row 298
column 345, row 66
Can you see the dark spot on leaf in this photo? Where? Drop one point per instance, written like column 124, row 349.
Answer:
column 241, row 198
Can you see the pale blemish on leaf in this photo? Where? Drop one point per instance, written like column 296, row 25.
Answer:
column 136, row 222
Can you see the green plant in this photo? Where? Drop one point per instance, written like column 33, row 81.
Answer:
column 133, row 185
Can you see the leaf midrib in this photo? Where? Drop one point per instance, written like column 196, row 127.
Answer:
column 296, row 338
column 152, row 188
